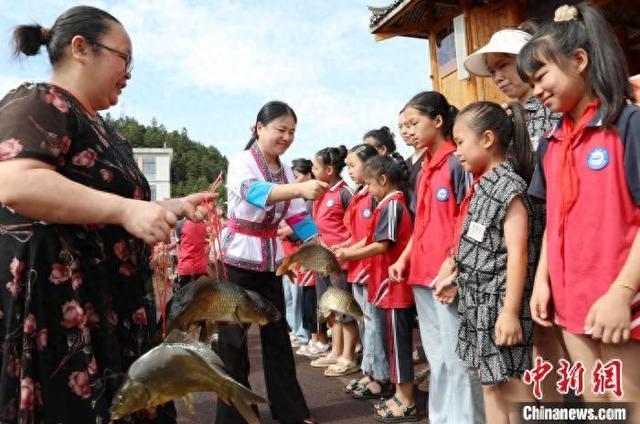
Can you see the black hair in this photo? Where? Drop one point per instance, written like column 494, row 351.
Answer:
column 607, row 76
column 270, row 111
column 529, row 26
column 302, row 165
column 89, row 22
column 383, row 138
column 432, row 104
column 510, row 128
column 333, row 156
column 364, row 151
column 393, row 167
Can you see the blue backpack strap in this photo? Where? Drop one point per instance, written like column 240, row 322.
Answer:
column 628, row 126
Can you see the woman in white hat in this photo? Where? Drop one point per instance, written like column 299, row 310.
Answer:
column 497, row 60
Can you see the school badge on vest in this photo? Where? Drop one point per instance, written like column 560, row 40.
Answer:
column 442, row 194
column 366, row 213
column 330, row 203
column 598, row 158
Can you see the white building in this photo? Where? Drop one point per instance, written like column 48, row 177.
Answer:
column 156, row 166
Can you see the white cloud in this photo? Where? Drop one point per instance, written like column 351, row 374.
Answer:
column 266, row 52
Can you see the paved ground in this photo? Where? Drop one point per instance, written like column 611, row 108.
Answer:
column 324, row 395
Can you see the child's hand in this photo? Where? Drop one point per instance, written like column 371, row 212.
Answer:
column 397, row 270
column 539, row 303
column 609, row 318
column 447, row 268
column 342, row 255
column 508, row 329
column 446, row 291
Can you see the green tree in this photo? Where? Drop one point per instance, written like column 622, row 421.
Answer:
column 194, row 166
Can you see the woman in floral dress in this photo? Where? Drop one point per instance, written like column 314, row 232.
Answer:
column 74, row 219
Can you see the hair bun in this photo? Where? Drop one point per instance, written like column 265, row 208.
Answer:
column 565, row 13
column 45, row 35
column 342, row 151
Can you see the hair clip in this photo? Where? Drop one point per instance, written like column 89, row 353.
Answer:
column 252, row 128
column 566, row 13
column 358, row 149
column 507, row 109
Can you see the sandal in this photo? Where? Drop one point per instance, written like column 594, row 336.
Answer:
column 351, row 386
column 342, row 367
column 367, row 393
column 325, row 361
column 385, row 415
column 356, row 384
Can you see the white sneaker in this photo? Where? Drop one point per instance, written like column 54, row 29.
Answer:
column 304, row 349
column 317, row 350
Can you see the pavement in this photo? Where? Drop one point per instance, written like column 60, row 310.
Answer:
column 324, row 395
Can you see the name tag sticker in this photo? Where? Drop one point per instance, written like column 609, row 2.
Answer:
column 476, row 231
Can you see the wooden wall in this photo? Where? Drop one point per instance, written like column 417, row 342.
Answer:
column 481, row 23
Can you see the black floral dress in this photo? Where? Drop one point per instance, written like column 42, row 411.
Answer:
column 482, row 278
column 74, row 306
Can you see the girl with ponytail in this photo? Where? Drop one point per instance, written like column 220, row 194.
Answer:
column 389, row 234
column 590, row 159
column 382, row 139
column 441, row 187
column 496, row 254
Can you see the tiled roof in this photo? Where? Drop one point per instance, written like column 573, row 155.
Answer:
column 378, row 13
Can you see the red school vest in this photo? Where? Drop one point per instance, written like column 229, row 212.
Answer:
column 328, row 214
column 600, row 226
column 383, row 292
column 436, row 214
column 358, row 219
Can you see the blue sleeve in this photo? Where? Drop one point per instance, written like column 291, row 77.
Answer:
column 460, row 179
column 388, row 222
column 256, row 192
column 538, row 184
column 629, row 130
column 305, row 229
column 345, row 196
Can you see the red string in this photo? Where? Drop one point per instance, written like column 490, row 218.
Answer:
column 214, row 228
column 162, row 268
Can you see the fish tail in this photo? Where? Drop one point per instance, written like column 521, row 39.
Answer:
column 242, row 399
column 284, row 267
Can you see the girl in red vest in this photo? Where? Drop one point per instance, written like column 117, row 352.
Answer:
column 328, row 213
column 359, row 221
column 455, row 394
column 589, row 268
column 391, row 231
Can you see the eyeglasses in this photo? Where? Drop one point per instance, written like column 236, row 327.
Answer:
column 128, row 59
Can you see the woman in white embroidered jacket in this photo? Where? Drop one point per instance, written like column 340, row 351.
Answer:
column 262, row 193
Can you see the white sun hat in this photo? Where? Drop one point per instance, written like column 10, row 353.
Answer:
column 509, row 41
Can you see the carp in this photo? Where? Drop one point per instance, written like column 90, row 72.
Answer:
column 311, row 257
column 338, row 301
column 211, row 301
column 174, row 369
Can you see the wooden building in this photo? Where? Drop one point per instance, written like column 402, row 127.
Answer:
column 456, row 28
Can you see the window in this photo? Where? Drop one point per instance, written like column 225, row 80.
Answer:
column 153, row 191
column 149, row 168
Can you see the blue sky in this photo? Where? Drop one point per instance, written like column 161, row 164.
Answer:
column 208, row 66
